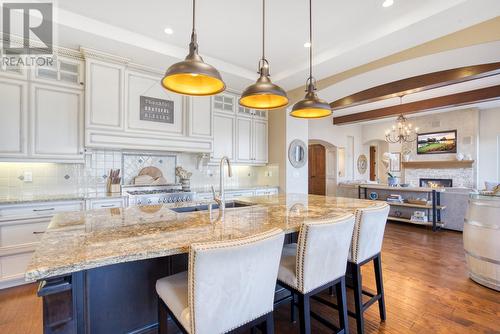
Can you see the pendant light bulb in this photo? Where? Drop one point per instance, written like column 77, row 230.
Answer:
column 311, row 106
column 263, row 94
column 193, row 76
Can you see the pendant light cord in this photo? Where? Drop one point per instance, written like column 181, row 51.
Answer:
column 310, row 40
column 194, row 15
column 263, row 28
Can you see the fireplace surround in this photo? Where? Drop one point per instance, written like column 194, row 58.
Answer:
column 432, row 183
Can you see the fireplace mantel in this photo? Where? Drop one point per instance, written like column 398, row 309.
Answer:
column 438, row 164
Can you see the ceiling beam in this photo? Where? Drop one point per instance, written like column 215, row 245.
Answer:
column 453, row 100
column 417, row 84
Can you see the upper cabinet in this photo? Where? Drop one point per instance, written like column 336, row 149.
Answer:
column 41, row 116
column 64, row 71
column 225, row 103
column 127, row 108
column 13, row 118
column 57, row 122
column 200, row 117
column 104, row 95
column 251, row 138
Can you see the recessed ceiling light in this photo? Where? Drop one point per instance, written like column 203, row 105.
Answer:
column 168, row 31
column 388, row 3
column 307, row 45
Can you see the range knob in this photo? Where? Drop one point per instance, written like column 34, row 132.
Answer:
column 149, row 201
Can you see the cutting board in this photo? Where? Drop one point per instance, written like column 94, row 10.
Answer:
column 154, row 172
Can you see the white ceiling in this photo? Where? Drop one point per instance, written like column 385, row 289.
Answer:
column 347, row 33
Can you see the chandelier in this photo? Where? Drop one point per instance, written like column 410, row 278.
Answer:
column 401, row 132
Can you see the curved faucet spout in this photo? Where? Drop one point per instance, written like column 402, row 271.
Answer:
column 222, row 195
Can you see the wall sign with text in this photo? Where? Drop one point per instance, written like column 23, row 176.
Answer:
column 156, row 110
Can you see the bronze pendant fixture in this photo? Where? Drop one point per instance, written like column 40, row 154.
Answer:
column 311, row 106
column 193, row 76
column 263, row 94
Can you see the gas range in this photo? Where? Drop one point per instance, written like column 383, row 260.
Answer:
column 153, row 195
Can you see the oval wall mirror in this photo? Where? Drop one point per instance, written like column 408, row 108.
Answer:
column 297, row 153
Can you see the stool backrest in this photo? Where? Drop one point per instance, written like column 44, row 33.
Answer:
column 232, row 282
column 368, row 233
column 322, row 251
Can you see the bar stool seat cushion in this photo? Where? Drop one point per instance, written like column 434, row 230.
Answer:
column 173, row 290
column 287, row 272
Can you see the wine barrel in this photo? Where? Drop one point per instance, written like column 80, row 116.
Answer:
column 481, row 240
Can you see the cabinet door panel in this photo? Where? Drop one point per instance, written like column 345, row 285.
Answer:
column 244, row 139
column 200, row 117
column 144, row 85
column 223, row 136
column 56, row 121
column 260, row 141
column 13, row 111
column 104, row 95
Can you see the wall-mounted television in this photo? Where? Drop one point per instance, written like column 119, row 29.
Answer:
column 437, row 142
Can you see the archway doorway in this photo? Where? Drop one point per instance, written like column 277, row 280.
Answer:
column 323, row 166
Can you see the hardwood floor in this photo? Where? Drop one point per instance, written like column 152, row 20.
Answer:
column 426, row 285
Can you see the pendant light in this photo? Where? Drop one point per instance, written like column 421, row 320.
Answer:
column 193, row 76
column 311, row 106
column 263, row 94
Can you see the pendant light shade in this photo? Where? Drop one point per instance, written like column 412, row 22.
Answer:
column 193, row 76
column 311, row 106
column 263, row 94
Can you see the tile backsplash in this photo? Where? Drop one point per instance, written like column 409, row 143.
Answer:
column 56, row 178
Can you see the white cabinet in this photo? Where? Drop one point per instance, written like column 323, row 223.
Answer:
column 56, row 122
column 224, row 103
column 244, row 139
column 251, row 136
column 104, row 95
column 200, row 117
column 63, row 71
column 260, row 141
column 108, row 203
column 13, row 118
column 21, row 227
column 224, row 136
column 266, row 191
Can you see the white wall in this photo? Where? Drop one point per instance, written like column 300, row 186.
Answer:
column 296, row 178
column 489, row 146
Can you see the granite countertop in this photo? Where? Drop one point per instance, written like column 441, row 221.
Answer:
column 79, row 241
column 57, row 197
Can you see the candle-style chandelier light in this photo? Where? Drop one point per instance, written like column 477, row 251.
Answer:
column 401, row 132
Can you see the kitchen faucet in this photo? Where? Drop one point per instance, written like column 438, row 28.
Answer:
column 221, row 199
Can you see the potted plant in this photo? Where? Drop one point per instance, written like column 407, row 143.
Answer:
column 392, row 180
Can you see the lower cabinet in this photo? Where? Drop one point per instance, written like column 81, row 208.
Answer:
column 94, row 204
column 21, row 227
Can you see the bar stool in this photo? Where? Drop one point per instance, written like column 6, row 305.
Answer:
column 365, row 247
column 316, row 263
column 229, row 285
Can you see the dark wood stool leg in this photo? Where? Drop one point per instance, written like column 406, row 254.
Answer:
column 304, row 314
column 292, row 308
column 330, row 290
column 162, row 317
column 358, row 296
column 377, row 263
column 269, row 327
column 342, row 305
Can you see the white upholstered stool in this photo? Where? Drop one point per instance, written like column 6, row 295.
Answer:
column 229, row 285
column 318, row 261
column 366, row 246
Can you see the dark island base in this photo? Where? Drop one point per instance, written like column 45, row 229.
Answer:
column 119, row 298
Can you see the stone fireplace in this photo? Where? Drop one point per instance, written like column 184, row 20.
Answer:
column 460, row 177
column 436, row 183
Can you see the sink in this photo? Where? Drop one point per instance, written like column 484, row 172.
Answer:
column 229, row 205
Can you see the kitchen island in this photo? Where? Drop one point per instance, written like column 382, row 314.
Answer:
column 97, row 269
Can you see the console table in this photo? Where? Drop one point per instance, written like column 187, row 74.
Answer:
column 433, row 196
